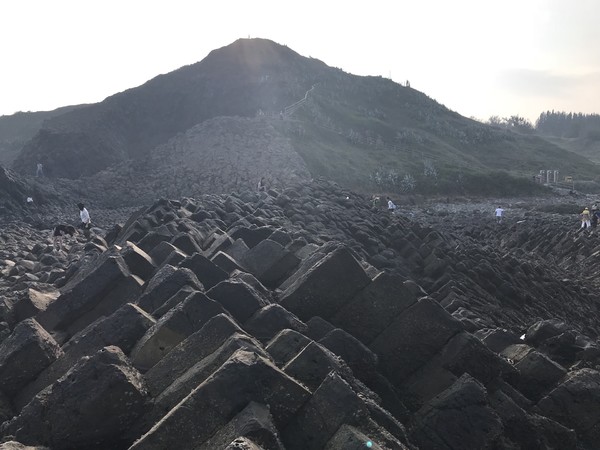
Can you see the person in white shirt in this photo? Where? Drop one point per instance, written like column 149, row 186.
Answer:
column 84, row 215
column 499, row 211
column 391, row 206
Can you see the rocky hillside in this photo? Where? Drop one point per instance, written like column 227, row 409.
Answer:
column 17, row 129
column 363, row 132
column 302, row 318
column 224, row 154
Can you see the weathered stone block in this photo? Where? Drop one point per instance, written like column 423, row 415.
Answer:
column 326, row 287
column 34, row 302
column 286, row 345
column 164, row 284
column 172, row 328
column 239, row 298
column 270, row 262
column 413, row 338
column 270, row 320
column 225, row 393
column 122, row 329
column 138, row 261
column 91, row 406
column 84, row 295
column 333, row 404
column 254, row 422
column 193, row 349
column 375, row 307
column 24, row 354
column 207, row 271
column 460, row 417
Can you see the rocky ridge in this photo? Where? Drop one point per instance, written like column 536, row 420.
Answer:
column 301, row 319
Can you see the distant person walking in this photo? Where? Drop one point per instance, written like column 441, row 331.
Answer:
column 40, row 170
column 498, row 213
column 391, row 205
column 585, row 218
column 58, row 233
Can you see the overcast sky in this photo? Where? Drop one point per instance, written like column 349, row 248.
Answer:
column 477, row 57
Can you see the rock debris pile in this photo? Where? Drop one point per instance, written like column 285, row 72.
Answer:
column 300, row 319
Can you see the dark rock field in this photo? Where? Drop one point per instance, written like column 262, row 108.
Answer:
column 301, row 318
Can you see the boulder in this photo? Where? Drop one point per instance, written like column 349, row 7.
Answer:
column 312, row 365
column 458, row 418
column 163, row 251
column 186, row 243
column 332, row 405
column 253, row 422
column 413, row 338
column 125, row 291
column 238, row 297
column 122, row 329
column 165, row 283
column 205, row 270
column 270, row 262
column 525, row 430
column 85, row 294
column 375, row 307
column 33, row 302
column 193, row 349
column 497, row 339
column 225, row 262
column 359, row 357
column 348, row 437
column 270, row 320
column 24, row 354
column 200, row 371
column 286, row 345
column 575, row 403
column 318, row 328
column 138, row 261
column 91, row 406
column 172, row 328
column 326, row 287
column 224, row 394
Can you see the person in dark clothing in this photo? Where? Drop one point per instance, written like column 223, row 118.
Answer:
column 58, row 233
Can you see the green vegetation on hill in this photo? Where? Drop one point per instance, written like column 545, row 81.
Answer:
column 373, row 134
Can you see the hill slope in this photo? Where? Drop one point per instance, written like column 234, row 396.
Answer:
column 366, row 132
column 17, row 129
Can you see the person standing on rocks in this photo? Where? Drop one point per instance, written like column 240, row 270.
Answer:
column 585, row 218
column 498, row 213
column 391, row 206
column 58, row 233
column 86, row 222
column 40, row 170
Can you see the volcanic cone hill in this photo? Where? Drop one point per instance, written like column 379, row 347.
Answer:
column 363, row 132
column 302, row 318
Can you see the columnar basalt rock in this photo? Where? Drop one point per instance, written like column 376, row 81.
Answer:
column 294, row 319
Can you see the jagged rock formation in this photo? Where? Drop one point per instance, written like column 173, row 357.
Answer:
column 295, row 319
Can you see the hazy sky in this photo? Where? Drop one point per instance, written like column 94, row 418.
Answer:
column 477, row 57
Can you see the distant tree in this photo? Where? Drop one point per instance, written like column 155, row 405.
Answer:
column 496, row 121
column 568, row 125
column 519, row 123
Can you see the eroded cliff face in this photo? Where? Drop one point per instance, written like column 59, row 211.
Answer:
column 300, row 318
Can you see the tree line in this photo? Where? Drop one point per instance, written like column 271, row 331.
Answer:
column 554, row 123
